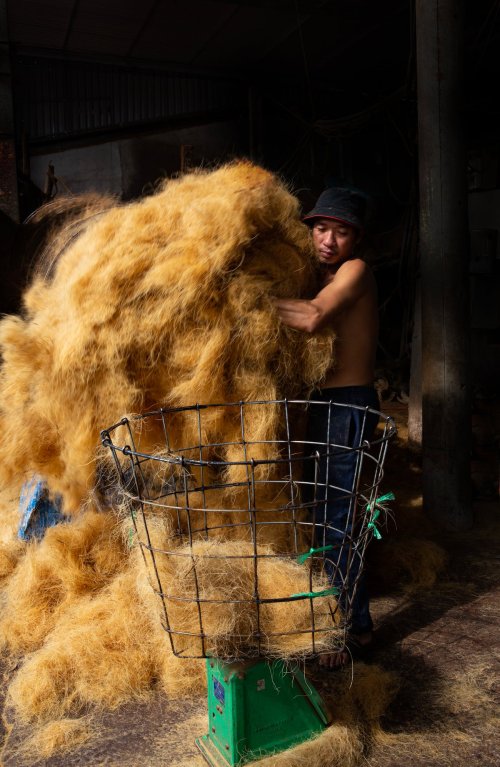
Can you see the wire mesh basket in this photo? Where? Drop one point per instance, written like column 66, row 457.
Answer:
column 231, row 508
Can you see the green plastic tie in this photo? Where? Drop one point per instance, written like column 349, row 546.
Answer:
column 376, row 513
column 373, row 526
column 304, row 557
column 332, row 591
column 387, row 497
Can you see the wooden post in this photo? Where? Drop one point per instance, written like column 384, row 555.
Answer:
column 446, row 422
column 415, row 403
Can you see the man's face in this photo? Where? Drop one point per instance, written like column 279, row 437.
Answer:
column 333, row 241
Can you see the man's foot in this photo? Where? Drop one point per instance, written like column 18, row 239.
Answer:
column 357, row 647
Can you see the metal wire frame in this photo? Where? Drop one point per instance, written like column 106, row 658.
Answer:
column 167, row 480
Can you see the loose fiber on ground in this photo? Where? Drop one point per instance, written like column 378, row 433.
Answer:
column 340, row 745
column 61, row 735
column 356, row 706
column 416, row 562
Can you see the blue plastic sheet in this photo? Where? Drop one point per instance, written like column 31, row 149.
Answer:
column 38, row 509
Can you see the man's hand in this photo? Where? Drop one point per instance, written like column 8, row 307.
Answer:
column 298, row 314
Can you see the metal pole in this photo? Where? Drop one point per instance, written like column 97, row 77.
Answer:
column 444, row 263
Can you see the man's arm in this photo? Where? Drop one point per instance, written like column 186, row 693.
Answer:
column 349, row 284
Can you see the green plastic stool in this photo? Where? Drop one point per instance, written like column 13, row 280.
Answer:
column 256, row 708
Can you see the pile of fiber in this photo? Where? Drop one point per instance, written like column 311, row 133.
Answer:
column 167, row 301
column 163, row 301
column 226, row 623
column 88, row 617
column 72, row 561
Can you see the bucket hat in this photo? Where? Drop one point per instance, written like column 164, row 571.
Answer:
column 341, row 204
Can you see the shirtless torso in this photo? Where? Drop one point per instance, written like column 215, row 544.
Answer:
column 357, row 330
column 347, row 301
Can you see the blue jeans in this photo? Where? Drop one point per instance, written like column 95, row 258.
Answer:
column 346, row 427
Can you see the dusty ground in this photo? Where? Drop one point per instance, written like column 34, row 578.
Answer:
column 441, row 641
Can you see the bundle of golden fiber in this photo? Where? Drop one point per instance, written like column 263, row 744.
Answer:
column 163, row 301
column 73, row 609
column 72, row 561
column 53, row 227
column 102, row 650
column 212, row 597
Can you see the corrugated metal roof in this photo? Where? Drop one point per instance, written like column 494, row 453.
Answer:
column 351, row 53
column 254, row 38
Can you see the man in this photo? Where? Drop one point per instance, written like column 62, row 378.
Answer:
column 348, row 302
